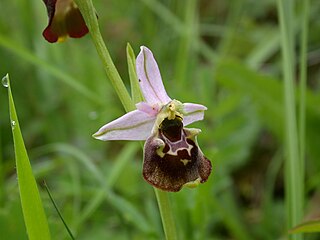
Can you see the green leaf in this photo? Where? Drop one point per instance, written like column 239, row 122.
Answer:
column 309, row 226
column 134, row 82
column 32, row 208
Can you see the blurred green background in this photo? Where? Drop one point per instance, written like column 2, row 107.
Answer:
column 222, row 54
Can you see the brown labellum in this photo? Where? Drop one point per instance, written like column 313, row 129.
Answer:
column 172, row 157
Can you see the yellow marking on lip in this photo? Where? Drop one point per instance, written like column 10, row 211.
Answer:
column 192, row 184
column 159, row 150
column 185, row 161
column 62, row 38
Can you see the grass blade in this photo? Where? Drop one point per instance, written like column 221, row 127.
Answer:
column 293, row 171
column 58, row 211
column 303, row 84
column 309, row 226
column 32, row 208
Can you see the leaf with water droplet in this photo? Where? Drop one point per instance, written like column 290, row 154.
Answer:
column 5, row 80
column 32, row 208
column 13, row 124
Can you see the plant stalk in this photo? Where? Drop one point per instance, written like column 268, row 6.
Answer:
column 166, row 214
column 293, row 172
column 303, row 83
column 89, row 14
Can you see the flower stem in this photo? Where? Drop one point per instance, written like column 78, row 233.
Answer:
column 89, row 14
column 166, row 214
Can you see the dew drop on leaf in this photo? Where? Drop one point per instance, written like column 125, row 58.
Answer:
column 5, row 80
column 93, row 115
column 13, row 124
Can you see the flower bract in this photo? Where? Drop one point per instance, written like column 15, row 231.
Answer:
column 172, row 157
column 65, row 20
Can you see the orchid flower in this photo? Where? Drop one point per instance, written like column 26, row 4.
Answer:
column 172, row 157
column 65, row 20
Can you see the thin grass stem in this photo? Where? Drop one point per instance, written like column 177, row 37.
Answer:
column 187, row 40
column 294, row 180
column 58, row 211
column 303, row 85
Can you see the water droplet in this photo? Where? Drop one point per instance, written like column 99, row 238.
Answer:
column 93, row 115
column 13, row 124
column 5, row 80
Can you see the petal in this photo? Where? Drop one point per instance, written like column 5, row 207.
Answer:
column 151, row 110
column 150, row 79
column 134, row 125
column 193, row 112
column 170, row 165
column 65, row 20
column 47, row 33
column 75, row 24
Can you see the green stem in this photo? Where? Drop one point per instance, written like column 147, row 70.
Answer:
column 303, row 83
column 293, row 172
column 89, row 14
column 166, row 214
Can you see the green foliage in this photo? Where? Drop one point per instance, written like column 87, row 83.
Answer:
column 223, row 54
column 32, row 208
